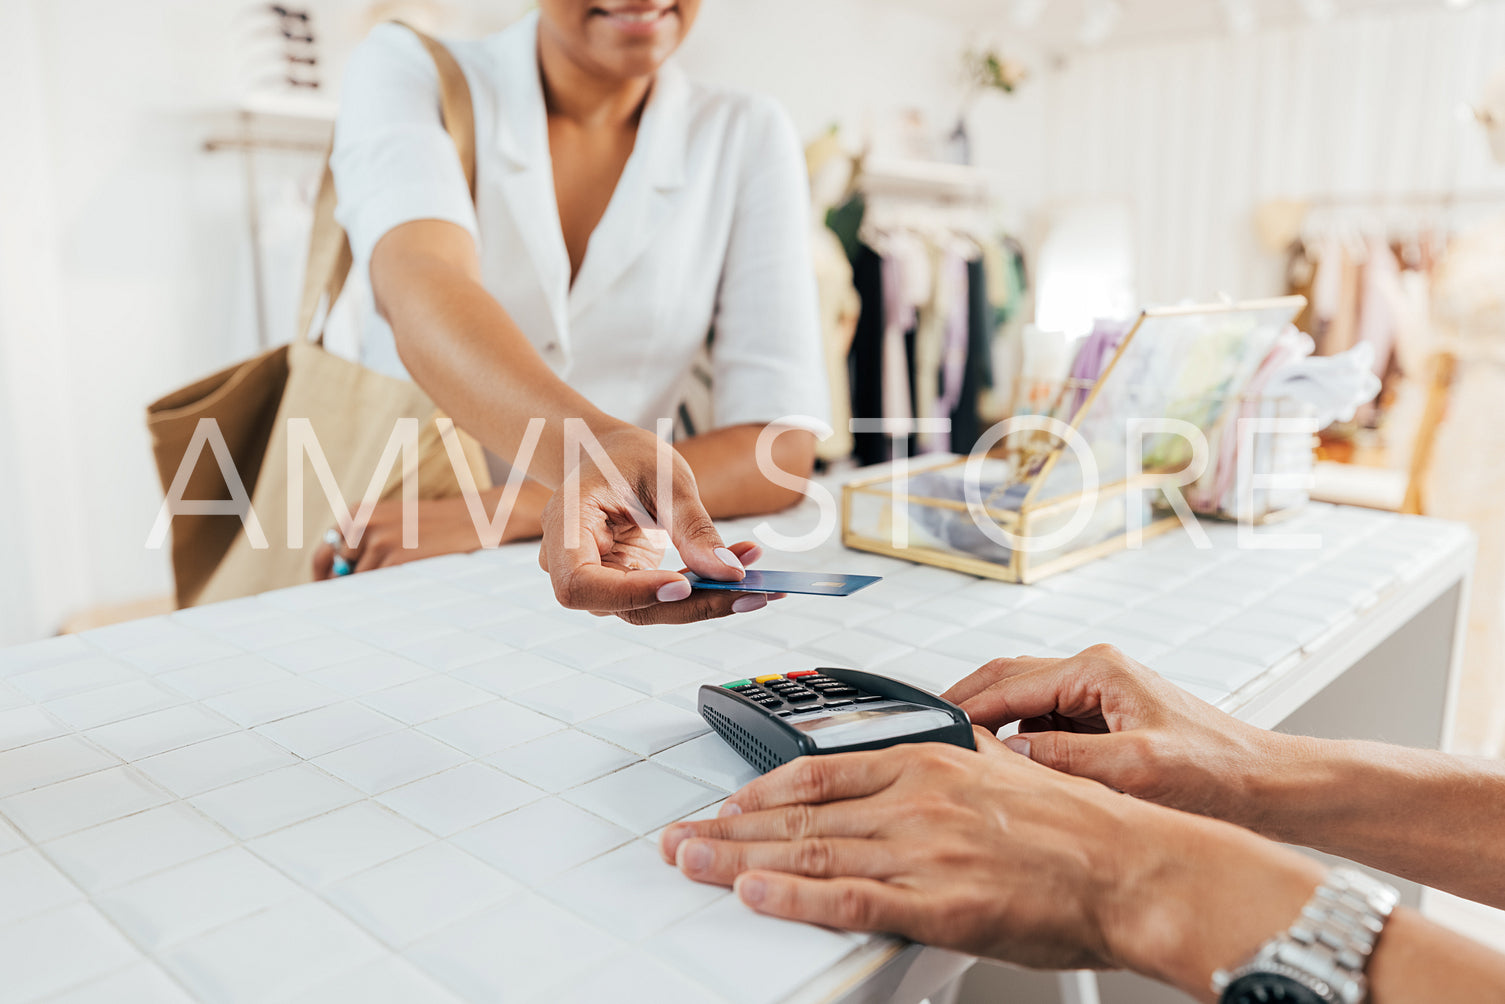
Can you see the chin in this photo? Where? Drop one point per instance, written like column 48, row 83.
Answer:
column 632, row 38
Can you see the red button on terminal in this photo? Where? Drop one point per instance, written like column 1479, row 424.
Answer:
column 802, row 672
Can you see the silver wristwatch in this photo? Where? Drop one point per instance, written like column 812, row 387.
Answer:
column 1321, row 958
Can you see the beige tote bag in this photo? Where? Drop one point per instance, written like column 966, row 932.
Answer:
column 352, row 412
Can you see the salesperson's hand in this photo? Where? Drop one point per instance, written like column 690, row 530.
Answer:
column 987, row 853
column 1101, row 715
column 601, row 547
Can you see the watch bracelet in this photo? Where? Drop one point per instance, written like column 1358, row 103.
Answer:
column 1331, row 941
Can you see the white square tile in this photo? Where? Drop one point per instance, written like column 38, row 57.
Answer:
column 188, row 650
column 919, row 630
column 525, row 632
column 354, row 613
column 327, row 729
column 630, row 891
column 55, row 950
column 222, row 676
column 272, row 954
column 271, row 631
column 74, row 677
column 478, row 612
column 47, row 652
column 387, row 761
column 1079, row 610
column 27, row 725
column 213, row 617
column 960, row 609
column 512, row 952
column 803, row 951
column 1131, row 643
column 506, row 675
column 267, row 702
column 365, row 676
column 541, row 839
column 10, row 840
column 190, row 770
column 111, row 704
column 562, row 760
column 405, row 631
column 646, row 727
column 420, row 893
column 138, row 632
column 1185, row 667
column 458, row 798
column 61, row 808
column 576, row 698
column 779, row 627
column 273, row 800
column 489, row 727
column 837, row 611
column 981, row 645
column 724, row 650
column 858, row 648
column 642, row 796
column 1246, row 646
column 589, row 650
column 928, row 671
column 453, row 650
column 48, row 761
column 160, row 731
column 192, row 898
column 31, row 886
column 141, row 983
column 116, row 853
column 330, row 847
column 657, row 672
column 392, row 980
column 318, row 652
column 708, row 758
column 11, row 698
column 632, row 978
column 430, row 697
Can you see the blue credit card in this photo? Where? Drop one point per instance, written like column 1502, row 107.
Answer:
column 761, row 580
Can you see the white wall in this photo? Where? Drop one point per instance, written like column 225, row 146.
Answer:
column 1194, row 135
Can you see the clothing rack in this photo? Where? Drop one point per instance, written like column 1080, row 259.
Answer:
column 1379, row 200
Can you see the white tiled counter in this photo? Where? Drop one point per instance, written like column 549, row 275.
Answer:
column 431, row 783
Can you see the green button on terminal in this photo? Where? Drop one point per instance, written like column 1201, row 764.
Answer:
column 736, row 683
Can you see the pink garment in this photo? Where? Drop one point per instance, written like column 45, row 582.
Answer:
column 1379, row 303
column 905, row 287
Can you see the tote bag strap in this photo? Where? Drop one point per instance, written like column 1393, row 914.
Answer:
column 329, row 258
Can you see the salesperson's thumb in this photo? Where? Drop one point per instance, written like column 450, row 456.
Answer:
column 698, row 543
column 1081, row 754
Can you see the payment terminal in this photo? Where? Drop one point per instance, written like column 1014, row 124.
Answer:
column 772, row 719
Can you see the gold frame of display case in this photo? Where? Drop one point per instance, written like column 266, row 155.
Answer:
column 1020, row 564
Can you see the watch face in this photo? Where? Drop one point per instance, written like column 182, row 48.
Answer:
column 1268, row 988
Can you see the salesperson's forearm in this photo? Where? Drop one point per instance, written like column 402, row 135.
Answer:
column 1420, row 814
column 464, row 350
column 725, row 469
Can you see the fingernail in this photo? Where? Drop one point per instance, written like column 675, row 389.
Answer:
column 694, row 857
column 729, row 809
column 728, row 558
column 751, row 556
column 747, row 604
column 679, row 589
column 750, row 889
column 673, row 837
column 1019, row 744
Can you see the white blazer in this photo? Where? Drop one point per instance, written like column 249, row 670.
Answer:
column 708, row 228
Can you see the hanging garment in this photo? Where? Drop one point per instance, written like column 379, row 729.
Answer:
column 1378, row 304
column 865, row 363
column 977, row 374
column 906, row 285
column 940, row 335
column 840, row 307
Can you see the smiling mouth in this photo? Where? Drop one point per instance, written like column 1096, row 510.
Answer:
column 635, row 19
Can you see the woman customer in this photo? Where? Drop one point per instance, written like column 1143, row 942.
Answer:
column 621, row 213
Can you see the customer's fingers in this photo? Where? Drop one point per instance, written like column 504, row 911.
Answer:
column 323, row 562
column 990, row 673
column 1059, row 686
column 848, row 818
column 719, row 862
column 852, row 904
column 810, row 780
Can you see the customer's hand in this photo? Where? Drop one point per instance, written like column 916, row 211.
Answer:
column 986, row 853
column 602, row 551
column 1101, row 715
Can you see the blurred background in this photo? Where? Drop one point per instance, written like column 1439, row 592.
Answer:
column 160, row 157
